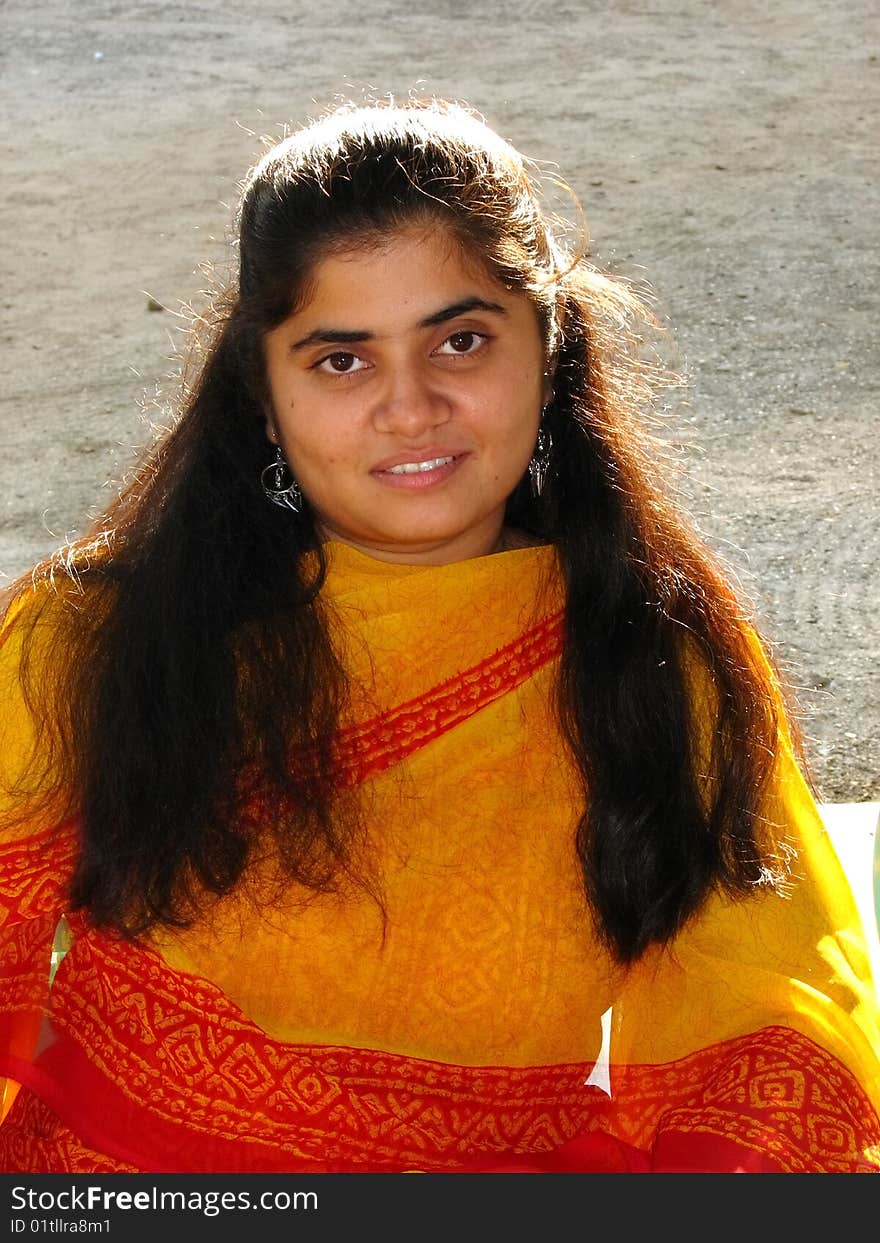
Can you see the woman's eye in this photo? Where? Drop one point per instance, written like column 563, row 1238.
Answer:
column 462, row 343
column 341, row 363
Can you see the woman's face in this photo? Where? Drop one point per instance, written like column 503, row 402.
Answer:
column 406, row 395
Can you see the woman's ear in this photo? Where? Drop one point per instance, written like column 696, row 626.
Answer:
column 269, row 424
column 547, row 393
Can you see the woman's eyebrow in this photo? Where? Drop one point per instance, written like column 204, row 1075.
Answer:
column 461, row 308
column 346, row 336
column 331, row 336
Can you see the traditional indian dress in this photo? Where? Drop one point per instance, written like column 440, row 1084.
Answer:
column 459, row 1014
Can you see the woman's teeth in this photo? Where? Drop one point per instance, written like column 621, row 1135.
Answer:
column 410, row 468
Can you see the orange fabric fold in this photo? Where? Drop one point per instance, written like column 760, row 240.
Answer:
column 479, row 1025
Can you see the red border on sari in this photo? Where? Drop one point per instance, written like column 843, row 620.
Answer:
column 161, row 1071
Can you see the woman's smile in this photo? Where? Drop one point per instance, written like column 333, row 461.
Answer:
column 418, row 471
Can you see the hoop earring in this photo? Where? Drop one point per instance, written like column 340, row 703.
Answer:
column 539, row 463
column 288, row 496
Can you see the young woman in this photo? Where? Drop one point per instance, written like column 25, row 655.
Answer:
column 394, row 765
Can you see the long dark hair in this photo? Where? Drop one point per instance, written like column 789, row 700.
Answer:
column 172, row 624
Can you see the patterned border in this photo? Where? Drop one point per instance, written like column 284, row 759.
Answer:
column 152, row 1062
column 370, row 747
column 36, row 872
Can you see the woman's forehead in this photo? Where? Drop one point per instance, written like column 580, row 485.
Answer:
column 410, row 274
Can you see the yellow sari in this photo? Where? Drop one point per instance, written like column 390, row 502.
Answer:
column 468, row 1020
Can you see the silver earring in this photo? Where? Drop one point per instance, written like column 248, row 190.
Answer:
column 288, row 495
column 539, row 463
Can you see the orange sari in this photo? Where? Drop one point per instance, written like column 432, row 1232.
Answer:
column 479, row 1027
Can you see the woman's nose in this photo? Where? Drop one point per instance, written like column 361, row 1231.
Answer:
column 412, row 402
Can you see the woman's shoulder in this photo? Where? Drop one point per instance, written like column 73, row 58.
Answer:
column 33, row 618
column 34, row 648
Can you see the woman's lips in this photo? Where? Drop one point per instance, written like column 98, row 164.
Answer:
column 419, row 472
